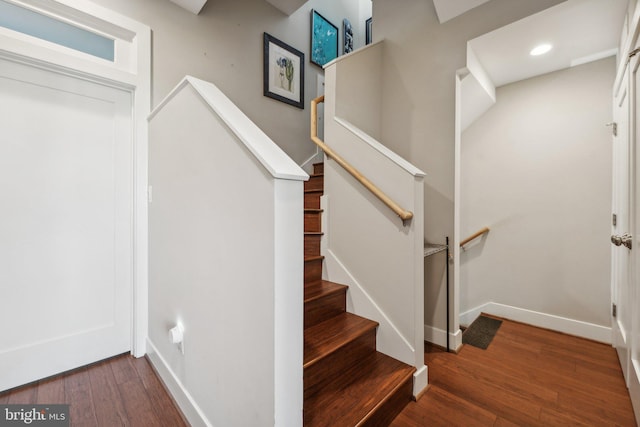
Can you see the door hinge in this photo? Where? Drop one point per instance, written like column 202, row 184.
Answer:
column 614, row 310
column 614, row 219
column 614, row 128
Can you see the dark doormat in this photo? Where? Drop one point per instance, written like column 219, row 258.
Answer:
column 481, row 332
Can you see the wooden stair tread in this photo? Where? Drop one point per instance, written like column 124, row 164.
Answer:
column 315, row 182
column 313, row 291
column 354, row 403
column 346, row 381
column 326, row 337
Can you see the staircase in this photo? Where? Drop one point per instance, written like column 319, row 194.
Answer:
column 346, row 381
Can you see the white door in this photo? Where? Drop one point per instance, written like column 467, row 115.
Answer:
column 66, row 181
column 633, row 376
column 621, row 254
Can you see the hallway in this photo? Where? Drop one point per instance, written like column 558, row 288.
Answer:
column 527, row 376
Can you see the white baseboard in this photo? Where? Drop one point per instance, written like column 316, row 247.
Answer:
column 439, row 337
column 182, row 397
column 307, row 165
column 420, row 381
column 634, row 388
column 543, row 320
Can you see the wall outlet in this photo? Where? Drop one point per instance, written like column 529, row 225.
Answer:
column 176, row 336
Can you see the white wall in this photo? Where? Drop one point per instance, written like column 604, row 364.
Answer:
column 420, row 60
column 358, row 89
column 536, row 169
column 223, row 44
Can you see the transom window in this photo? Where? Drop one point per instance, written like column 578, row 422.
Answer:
column 44, row 27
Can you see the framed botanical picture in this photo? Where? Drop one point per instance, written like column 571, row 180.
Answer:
column 324, row 39
column 347, row 35
column 283, row 72
column 368, row 30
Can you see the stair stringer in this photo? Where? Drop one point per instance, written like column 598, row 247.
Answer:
column 389, row 339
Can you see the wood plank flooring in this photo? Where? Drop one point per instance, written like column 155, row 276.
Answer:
column 527, row 377
column 121, row 391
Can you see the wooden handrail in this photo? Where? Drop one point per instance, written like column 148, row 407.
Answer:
column 403, row 214
column 475, row 235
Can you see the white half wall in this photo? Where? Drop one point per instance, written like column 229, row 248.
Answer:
column 225, row 261
column 360, row 90
column 367, row 246
column 536, row 169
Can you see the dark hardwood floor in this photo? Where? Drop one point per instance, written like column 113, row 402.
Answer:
column 121, row 391
column 527, row 377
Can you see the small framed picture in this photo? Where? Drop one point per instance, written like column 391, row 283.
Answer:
column 324, row 40
column 283, row 72
column 368, row 31
column 347, row 35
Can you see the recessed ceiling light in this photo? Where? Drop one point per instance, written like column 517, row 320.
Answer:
column 540, row 49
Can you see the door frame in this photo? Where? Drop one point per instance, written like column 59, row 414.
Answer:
column 627, row 63
column 130, row 71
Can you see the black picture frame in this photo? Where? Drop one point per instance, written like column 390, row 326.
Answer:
column 347, row 36
column 324, row 40
column 368, row 25
column 283, row 72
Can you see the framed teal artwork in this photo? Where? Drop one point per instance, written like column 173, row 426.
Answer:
column 324, row 39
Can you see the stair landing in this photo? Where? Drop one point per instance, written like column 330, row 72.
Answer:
column 373, row 399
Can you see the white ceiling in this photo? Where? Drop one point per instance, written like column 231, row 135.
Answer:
column 287, row 6
column 449, row 9
column 193, row 6
column 579, row 30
